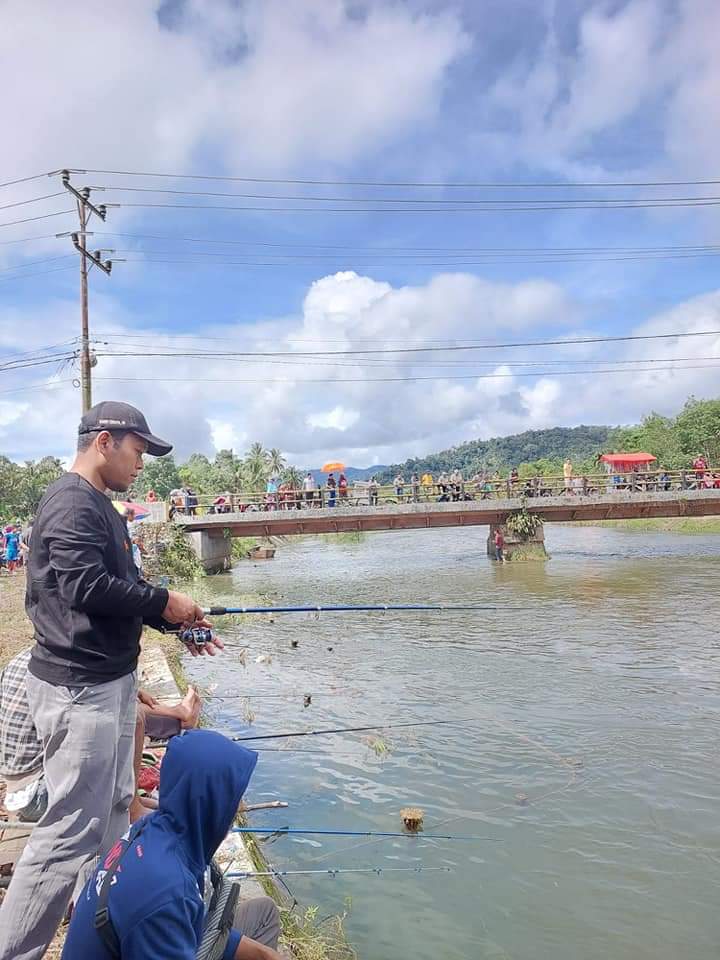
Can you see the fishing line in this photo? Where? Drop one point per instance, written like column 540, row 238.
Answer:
column 336, row 871
column 314, row 831
column 383, row 726
column 564, row 761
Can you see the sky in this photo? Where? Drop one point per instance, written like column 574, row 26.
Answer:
column 362, row 315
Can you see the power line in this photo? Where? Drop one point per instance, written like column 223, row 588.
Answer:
column 20, row 364
column 448, row 250
column 297, row 261
column 21, row 203
column 481, row 343
column 40, row 385
column 40, row 273
column 42, row 236
column 621, row 205
column 36, row 176
column 32, row 263
column 459, row 254
column 44, row 216
column 455, row 201
column 489, row 376
column 489, row 345
column 372, row 362
column 40, row 351
column 404, row 183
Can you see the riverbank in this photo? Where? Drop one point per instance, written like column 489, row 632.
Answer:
column 683, row 525
column 163, row 675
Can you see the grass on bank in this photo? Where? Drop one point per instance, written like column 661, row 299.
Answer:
column 307, row 937
column 683, row 525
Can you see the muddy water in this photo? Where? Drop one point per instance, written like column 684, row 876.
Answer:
column 591, row 758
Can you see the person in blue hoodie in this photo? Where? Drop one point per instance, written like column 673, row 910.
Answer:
column 156, row 878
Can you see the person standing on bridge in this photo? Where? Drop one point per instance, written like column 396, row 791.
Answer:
column 568, row 475
column 88, row 605
column 332, row 489
column 309, row 488
column 373, row 492
column 415, row 487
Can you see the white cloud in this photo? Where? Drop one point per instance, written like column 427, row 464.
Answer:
column 224, row 436
column 264, row 84
column 10, row 413
column 643, row 72
column 372, row 413
column 339, row 418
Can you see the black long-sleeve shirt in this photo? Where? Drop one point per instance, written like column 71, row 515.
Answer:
column 84, row 596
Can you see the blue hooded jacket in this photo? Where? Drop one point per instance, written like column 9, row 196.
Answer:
column 155, row 902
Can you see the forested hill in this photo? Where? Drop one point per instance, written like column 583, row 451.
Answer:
column 502, row 453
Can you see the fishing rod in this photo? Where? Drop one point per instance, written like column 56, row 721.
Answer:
column 329, row 730
column 380, row 726
column 292, row 831
column 345, row 607
column 337, row 870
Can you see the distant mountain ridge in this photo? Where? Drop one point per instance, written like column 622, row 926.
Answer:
column 502, row 453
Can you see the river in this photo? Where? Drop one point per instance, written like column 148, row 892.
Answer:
column 591, row 760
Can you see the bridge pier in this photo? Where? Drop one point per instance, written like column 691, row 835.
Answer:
column 515, row 547
column 213, row 551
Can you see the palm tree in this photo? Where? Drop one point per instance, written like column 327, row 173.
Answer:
column 293, row 476
column 276, row 461
column 256, row 467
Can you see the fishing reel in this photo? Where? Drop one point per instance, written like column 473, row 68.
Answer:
column 198, row 636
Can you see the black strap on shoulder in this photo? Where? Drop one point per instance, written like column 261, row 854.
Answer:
column 103, row 923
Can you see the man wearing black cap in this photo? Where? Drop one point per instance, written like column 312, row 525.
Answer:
column 88, row 605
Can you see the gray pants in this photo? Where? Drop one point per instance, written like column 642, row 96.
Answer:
column 88, row 739
column 259, row 919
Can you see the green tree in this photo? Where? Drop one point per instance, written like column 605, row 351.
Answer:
column 657, row 435
column 698, row 428
column 256, row 467
column 197, row 473
column 276, row 461
column 22, row 486
column 160, row 474
column 293, row 476
column 226, row 471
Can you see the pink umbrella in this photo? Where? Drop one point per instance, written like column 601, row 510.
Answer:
column 140, row 510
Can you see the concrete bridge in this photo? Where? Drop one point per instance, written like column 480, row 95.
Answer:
column 211, row 534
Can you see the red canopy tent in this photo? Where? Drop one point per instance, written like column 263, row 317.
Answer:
column 626, row 462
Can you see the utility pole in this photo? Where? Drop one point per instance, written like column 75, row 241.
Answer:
column 85, row 210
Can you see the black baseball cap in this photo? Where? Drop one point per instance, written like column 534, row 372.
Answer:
column 124, row 418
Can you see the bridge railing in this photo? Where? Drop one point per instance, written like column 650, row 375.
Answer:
column 365, row 494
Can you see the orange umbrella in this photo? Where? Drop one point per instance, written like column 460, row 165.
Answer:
column 333, row 466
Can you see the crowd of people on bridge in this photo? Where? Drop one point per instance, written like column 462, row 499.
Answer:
column 336, row 491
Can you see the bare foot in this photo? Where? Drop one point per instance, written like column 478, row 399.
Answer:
column 191, row 704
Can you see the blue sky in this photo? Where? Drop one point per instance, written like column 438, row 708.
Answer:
column 448, row 92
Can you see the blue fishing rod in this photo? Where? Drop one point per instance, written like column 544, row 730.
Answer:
column 349, row 608
column 333, row 872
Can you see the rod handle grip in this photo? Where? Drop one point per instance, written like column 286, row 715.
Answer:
column 214, row 611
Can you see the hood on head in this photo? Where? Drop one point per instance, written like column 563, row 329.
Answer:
column 202, row 780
